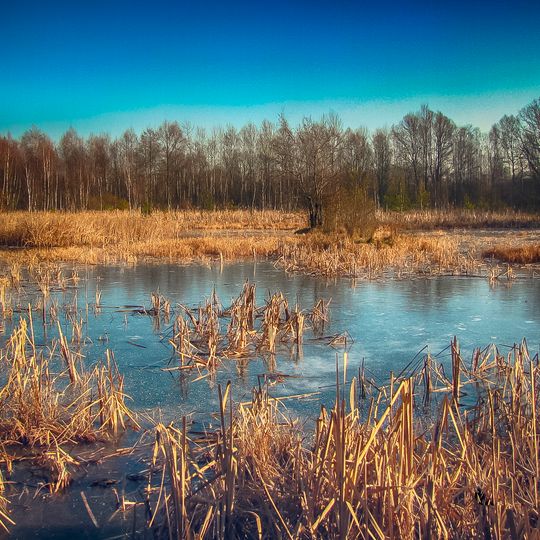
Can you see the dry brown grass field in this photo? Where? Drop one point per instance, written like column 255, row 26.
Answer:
column 461, row 219
column 521, row 254
column 427, row 242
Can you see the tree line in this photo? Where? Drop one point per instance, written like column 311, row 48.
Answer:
column 424, row 161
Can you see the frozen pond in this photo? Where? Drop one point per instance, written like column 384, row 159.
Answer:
column 389, row 323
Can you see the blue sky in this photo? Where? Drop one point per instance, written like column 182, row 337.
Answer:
column 106, row 66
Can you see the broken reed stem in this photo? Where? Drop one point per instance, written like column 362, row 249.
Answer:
column 456, row 370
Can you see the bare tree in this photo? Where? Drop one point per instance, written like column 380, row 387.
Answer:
column 149, row 151
column 407, row 138
column 318, row 145
column 443, row 133
column 11, row 167
column 99, row 165
column 466, row 162
column 357, row 159
column 510, row 144
column 530, row 135
column 127, row 146
column 76, row 178
column 39, row 170
column 171, row 138
column 284, row 150
column 382, row 162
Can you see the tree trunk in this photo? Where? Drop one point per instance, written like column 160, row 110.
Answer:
column 315, row 213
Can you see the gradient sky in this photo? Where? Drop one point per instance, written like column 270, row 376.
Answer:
column 106, row 66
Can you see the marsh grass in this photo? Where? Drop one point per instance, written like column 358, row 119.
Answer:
column 396, row 256
column 371, row 468
column 203, row 337
column 5, row 520
column 460, row 219
column 395, row 247
column 100, row 229
column 524, row 254
column 49, row 401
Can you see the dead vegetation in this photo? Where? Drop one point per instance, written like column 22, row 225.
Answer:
column 101, row 229
column 5, row 520
column 524, row 254
column 202, row 338
column 394, row 248
column 416, row 457
column 460, row 219
column 371, row 468
column 49, row 401
column 387, row 255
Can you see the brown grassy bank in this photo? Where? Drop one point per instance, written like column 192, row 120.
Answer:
column 460, row 219
column 402, row 255
column 100, row 229
column 401, row 246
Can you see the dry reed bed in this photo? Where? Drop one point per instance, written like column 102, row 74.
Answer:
column 460, row 218
column 49, row 402
column 100, row 229
column 395, row 255
column 124, row 237
column 201, row 338
column 398, row 256
column 370, row 469
column 184, row 250
column 523, row 254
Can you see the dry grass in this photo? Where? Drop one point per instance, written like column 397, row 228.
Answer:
column 396, row 255
column 525, row 254
column 112, row 237
column 370, row 469
column 100, row 229
column 194, row 236
column 460, row 219
column 5, row 520
column 49, row 401
column 204, row 337
column 389, row 254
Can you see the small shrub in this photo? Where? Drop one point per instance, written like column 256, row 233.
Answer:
column 351, row 211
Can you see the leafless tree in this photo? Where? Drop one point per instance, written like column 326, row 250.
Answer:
column 530, row 135
column 425, row 159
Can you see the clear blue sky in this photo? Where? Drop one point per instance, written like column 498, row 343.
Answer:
column 106, row 66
